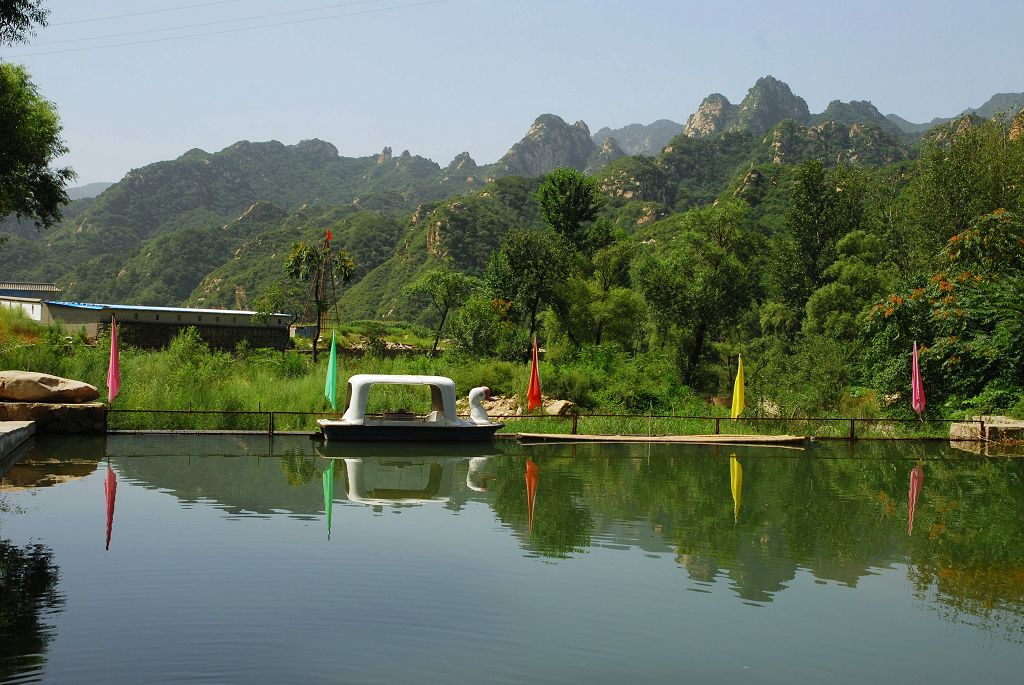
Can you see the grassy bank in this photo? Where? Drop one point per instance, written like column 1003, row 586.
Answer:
column 188, row 376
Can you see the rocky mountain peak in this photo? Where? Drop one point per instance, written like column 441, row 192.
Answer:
column 315, row 147
column 711, row 118
column 548, row 144
column 608, row 152
column 610, row 148
column 854, row 112
column 462, row 162
column 641, row 139
column 767, row 103
column 384, row 156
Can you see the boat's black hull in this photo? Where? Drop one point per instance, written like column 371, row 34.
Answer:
column 408, row 433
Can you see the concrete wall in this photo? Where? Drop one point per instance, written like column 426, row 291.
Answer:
column 154, row 329
column 32, row 308
column 153, row 336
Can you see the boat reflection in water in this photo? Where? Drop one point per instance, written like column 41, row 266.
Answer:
column 403, row 480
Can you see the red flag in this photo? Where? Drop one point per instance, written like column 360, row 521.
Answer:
column 532, row 476
column 328, row 235
column 533, row 394
column 114, row 369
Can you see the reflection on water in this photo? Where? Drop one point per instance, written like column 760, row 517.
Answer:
column 916, row 481
column 532, row 476
column 28, row 597
column 328, row 480
column 110, row 493
column 735, row 485
column 622, row 531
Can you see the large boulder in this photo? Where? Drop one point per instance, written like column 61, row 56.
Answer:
column 28, row 386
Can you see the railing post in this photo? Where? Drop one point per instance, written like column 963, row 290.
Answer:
column 270, row 428
column 575, row 423
column 853, row 429
column 718, row 425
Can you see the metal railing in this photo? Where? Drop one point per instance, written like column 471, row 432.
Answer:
column 843, row 428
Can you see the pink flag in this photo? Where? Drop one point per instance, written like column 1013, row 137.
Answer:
column 916, row 386
column 110, row 490
column 114, row 370
column 916, row 480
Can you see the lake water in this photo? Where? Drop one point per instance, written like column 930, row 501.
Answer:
column 877, row 562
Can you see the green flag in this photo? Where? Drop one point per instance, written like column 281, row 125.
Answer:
column 330, row 390
column 329, row 495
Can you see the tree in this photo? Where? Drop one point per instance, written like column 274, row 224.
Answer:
column 319, row 266
column 29, row 143
column 29, row 130
column 703, row 283
column 968, row 318
column 569, row 202
column 529, row 270
column 17, row 18
column 823, row 207
column 601, row 307
column 446, row 289
column 971, row 169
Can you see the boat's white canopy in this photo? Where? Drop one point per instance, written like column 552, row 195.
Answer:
column 442, row 394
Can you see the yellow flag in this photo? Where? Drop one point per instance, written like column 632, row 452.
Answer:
column 736, row 482
column 737, row 391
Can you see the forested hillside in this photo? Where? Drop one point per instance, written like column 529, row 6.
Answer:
column 821, row 245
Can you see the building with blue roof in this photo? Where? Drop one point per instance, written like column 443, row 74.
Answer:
column 147, row 326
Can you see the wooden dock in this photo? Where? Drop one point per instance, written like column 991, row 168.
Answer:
column 671, row 439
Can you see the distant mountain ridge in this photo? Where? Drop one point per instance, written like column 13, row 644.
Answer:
column 641, row 139
column 212, row 227
column 1007, row 103
column 88, row 190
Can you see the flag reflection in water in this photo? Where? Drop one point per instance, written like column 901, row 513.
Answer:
column 532, row 475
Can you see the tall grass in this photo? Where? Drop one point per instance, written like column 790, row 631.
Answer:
column 187, row 375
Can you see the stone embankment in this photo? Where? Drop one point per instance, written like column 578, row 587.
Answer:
column 54, row 404
column 13, row 436
column 989, row 435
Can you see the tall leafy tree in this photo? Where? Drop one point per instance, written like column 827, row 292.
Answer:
column 446, row 290
column 30, row 185
column 529, row 270
column 702, row 283
column 569, row 202
column 824, row 206
column 320, row 267
column 966, row 171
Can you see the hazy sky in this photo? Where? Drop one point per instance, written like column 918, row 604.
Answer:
column 441, row 77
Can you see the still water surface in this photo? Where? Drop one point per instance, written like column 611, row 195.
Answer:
column 236, row 560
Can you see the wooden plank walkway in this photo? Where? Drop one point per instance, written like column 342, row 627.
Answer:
column 686, row 439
